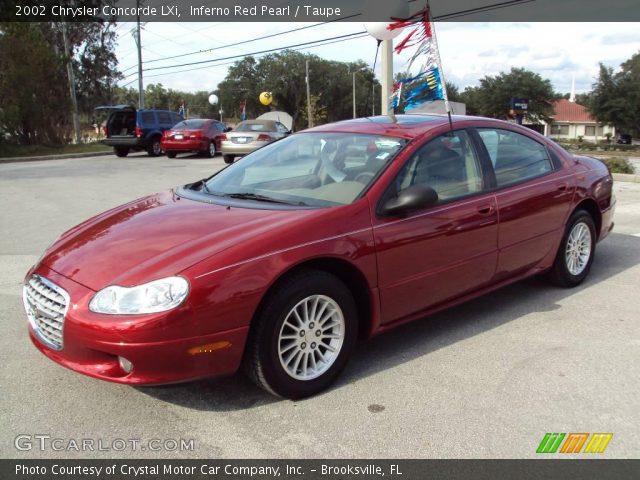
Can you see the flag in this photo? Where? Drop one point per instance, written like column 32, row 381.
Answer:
column 428, row 84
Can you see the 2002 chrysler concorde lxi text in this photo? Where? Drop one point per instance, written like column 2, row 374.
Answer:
column 279, row 262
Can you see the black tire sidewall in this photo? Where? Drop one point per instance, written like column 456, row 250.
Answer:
column 274, row 315
column 561, row 264
column 151, row 150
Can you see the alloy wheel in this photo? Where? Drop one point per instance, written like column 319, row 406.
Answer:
column 578, row 248
column 311, row 337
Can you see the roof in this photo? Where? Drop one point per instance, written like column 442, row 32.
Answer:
column 404, row 126
column 566, row 111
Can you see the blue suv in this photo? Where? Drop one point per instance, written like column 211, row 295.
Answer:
column 128, row 129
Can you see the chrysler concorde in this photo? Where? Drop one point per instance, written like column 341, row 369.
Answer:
column 278, row 263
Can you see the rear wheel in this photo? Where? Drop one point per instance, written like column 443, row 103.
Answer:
column 228, row 158
column 211, row 150
column 154, row 149
column 171, row 154
column 121, row 152
column 303, row 335
column 575, row 254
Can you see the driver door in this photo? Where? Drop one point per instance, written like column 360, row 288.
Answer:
column 429, row 257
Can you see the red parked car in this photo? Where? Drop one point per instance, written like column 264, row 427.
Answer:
column 282, row 260
column 194, row 135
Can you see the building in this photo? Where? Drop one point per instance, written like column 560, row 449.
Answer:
column 572, row 121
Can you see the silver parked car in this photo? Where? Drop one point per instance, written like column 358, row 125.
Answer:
column 249, row 136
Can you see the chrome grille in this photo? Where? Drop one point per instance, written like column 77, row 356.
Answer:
column 46, row 305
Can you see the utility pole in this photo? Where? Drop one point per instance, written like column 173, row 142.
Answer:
column 72, row 84
column 309, row 114
column 139, row 44
column 354, row 94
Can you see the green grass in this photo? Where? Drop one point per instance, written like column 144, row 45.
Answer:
column 39, row 150
column 617, row 165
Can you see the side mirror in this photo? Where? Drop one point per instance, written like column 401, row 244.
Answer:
column 412, row 198
column 228, row 129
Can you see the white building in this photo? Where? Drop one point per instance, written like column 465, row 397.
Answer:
column 572, row 121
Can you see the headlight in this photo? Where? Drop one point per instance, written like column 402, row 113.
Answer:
column 157, row 296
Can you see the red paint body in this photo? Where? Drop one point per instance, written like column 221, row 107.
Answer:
column 409, row 267
column 193, row 140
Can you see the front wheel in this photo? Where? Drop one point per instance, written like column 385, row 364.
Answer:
column 228, row 158
column 575, row 254
column 303, row 335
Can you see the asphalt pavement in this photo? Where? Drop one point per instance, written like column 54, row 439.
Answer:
column 483, row 380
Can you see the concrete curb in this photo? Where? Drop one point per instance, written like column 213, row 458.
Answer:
column 63, row 156
column 626, row 177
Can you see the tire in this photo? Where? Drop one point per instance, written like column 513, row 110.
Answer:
column 228, row 158
column 312, row 366
column 171, row 154
column 121, row 152
column 154, row 149
column 575, row 254
column 210, row 152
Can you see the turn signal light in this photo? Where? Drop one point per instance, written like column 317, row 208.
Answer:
column 209, row 347
column 138, row 132
column 263, row 137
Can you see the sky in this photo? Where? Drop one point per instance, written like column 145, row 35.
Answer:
column 469, row 51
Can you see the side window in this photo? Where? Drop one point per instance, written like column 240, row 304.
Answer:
column 515, row 157
column 448, row 164
column 281, row 128
column 148, row 118
column 164, row 118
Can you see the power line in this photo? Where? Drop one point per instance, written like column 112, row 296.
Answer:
column 252, row 53
column 231, row 62
column 208, row 50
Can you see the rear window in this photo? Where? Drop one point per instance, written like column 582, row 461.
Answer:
column 148, row 118
column 195, row 123
column 255, row 127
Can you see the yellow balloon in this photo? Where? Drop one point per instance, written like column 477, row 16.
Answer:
column 265, row 98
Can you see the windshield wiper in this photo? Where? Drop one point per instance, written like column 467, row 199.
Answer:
column 260, row 198
column 201, row 183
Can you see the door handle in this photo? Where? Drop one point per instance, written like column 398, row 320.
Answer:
column 485, row 209
column 563, row 187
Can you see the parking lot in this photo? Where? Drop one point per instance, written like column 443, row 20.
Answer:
column 484, row 380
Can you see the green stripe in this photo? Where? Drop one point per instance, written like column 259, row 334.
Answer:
column 550, row 443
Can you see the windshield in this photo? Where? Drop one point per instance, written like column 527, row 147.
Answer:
column 196, row 123
column 315, row 169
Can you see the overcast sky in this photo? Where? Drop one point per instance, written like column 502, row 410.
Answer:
column 469, row 51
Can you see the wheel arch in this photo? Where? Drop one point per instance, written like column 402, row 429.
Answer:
column 591, row 207
column 346, row 271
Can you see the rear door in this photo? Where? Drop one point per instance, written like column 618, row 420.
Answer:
column 534, row 195
column 431, row 256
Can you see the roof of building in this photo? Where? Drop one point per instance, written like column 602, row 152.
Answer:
column 566, row 111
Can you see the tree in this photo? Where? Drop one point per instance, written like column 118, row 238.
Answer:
column 34, row 87
column 492, row 98
column 35, row 102
column 615, row 98
column 283, row 74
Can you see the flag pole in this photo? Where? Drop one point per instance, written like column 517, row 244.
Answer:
column 447, row 105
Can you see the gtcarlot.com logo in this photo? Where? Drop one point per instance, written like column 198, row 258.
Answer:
column 27, row 442
column 574, row 442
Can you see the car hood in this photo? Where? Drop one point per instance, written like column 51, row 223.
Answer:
column 155, row 237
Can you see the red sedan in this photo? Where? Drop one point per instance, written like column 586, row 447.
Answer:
column 282, row 260
column 194, row 135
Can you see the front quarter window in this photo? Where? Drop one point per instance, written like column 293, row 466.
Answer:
column 310, row 169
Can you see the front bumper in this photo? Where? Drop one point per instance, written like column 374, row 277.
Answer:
column 163, row 348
